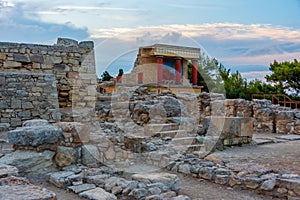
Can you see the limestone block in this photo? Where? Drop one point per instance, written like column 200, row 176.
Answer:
column 133, row 143
column 35, row 122
column 7, row 170
column 29, row 161
column 66, row 156
column 60, row 179
column 35, row 136
column 86, row 44
column 170, row 180
column 80, row 131
column 66, row 42
column 2, row 56
column 12, row 64
column 229, row 127
column 81, row 188
column 14, row 188
column 36, row 58
column 217, row 108
column 21, row 58
column 90, row 155
column 98, row 194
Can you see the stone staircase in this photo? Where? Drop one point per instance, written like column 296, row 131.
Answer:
column 181, row 137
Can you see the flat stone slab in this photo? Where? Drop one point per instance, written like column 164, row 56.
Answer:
column 81, row 188
column 35, row 136
column 29, row 161
column 60, row 179
column 98, row 194
column 259, row 141
column 289, row 137
column 13, row 188
column 170, row 180
column 7, row 170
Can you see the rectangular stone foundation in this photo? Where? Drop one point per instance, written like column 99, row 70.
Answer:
column 230, row 130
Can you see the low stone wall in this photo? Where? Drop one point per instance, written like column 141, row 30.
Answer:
column 254, row 177
column 268, row 118
column 61, row 143
column 274, row 118
column 26, row 96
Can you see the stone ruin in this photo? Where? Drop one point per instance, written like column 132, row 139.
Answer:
column 83, row 141
column 39, row 81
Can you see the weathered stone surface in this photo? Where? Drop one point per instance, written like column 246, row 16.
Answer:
column 81, row 188
column 66, row 42
column 7, row 170
column 230, row 127
column 80, row 132
column 34, row 72
column 4, row 127
column 170, row 180
column 97, row 194
column 97, row 179
column 29, row 161
column 138, row 193
column 289, row 137
column 90, row 155
column 60, row 179
column 37, row 58
column 13, row 188
column 86, row 44
column 268, row 185
column 252, row 182
column 115, row 181
column 133, row 143
column 222, row 179
column 207, row 173
column 185, row 168
column 66, row 156
column 34, row 136
column 181, row 197
column 35, row 122
column 21, row 58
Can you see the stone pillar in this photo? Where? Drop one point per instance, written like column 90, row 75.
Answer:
column 195, row 72
column 177, row 68
column 160, row 62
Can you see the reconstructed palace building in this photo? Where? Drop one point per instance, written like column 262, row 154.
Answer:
column 164, row 65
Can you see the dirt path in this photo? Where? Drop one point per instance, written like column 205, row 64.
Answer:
column 280, row 157
column 204, row 190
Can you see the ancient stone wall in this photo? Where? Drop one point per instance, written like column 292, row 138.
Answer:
column 268, row 118
column 274, row 118
column 68, row 60
column 71, row 63
column 27, row 96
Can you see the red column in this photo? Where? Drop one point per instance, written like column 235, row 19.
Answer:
column 140, row 77
column 194, row 72
column 159, row 69
column 177, row 67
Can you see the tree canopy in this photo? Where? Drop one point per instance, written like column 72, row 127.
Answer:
column 106, row 76
column 286, row 76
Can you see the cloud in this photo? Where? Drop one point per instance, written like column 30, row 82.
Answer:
column 224, row 31
column 6, row 4
column 72, row 8
column 18, row 27
column 265, row 59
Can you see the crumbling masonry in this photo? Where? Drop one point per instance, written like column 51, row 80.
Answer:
column 42, row 81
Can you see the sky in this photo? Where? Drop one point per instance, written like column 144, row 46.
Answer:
column 245, row 35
